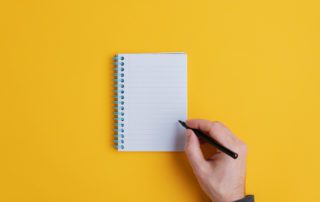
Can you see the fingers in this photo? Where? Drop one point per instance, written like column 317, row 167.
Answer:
column 193, row 150
column 216, row 130
column 201, row 124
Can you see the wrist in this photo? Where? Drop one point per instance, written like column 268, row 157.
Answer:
column 228, row 197
column 234, row 197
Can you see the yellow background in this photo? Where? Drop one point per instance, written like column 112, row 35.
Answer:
column 253, row 65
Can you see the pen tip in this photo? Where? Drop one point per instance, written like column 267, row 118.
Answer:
column 183, row 123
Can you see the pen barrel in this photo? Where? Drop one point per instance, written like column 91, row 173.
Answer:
column 215, row 144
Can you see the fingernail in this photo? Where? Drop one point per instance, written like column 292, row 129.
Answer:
column 188, row 133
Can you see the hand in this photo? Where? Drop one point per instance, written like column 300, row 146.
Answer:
column 221, row 177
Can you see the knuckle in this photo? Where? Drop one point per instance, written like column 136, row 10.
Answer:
column 189, row 151
column 216, row 125
column 243, row 148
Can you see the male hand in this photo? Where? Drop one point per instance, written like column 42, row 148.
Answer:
column 221, row 177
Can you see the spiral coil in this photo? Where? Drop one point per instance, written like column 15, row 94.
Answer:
column 119, row 101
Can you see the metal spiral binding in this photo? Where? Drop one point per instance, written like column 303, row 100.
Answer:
column 119, row 102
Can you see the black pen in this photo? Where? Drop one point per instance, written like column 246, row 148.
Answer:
column 211, row 141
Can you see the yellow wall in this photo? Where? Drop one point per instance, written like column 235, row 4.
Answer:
column 254, row 65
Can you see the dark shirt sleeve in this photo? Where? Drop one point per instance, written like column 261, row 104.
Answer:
column 248, row 198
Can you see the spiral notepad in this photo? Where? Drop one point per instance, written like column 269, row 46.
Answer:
column 150, row 98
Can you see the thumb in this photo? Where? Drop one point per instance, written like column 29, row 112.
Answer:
column 193, row 150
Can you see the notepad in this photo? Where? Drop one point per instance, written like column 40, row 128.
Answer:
column 150, row 98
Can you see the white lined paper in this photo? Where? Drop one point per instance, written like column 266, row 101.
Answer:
column 155, row 98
